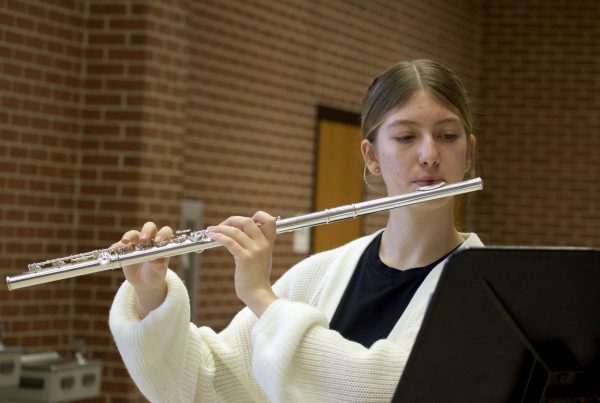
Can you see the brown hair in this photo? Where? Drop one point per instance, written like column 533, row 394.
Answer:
column 397, row 85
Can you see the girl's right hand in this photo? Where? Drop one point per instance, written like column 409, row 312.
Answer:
column 147, row 278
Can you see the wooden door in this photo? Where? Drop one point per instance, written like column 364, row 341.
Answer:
column 338, row 181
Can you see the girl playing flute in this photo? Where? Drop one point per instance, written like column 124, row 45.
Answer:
column 339, row 325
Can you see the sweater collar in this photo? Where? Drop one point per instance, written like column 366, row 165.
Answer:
column 344, row 264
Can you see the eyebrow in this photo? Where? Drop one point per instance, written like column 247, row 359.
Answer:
column 406, row 122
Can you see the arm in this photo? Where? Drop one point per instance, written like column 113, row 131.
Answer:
column 172, row 360
column 298, row 358
column 291, row 353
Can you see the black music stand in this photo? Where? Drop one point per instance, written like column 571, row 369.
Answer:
column 510, row 325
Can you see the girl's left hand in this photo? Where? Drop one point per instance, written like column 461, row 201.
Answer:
column 250, row 241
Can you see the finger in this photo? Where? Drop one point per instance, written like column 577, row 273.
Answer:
column 235, row 221
column 235, row 234
column 163, row 234
column 247, row 227
column 252, row 229
column 118, row 245
column 157, row 265
column 229, row 243
column 131, row 236
column 148, row 232
column 267, row 222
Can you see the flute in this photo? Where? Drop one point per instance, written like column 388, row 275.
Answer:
column 188, row 241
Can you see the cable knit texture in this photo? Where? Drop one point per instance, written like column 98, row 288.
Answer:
column 288, row 355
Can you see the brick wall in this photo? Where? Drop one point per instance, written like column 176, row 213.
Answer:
column 539, row 123
column 92, row 101
column 112, row 112
column 40, row 122
column 131, row 149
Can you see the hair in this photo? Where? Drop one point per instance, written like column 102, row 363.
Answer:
column 397, row 85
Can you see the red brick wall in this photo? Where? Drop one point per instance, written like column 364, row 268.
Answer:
column 92, row 107
column 539, row 123
column 41, row 70
column 131, row 149
column 112, row 112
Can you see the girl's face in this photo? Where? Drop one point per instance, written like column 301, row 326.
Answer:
column 420, row 144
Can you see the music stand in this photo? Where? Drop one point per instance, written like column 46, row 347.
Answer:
column 510, row 325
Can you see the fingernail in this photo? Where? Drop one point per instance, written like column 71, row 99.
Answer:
column 125, row 241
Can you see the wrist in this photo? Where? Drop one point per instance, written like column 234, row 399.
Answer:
column 150, row 298
column 260, row 300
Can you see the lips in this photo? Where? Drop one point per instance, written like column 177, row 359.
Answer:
column 427, row 181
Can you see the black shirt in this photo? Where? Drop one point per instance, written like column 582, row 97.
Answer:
column 376, row 297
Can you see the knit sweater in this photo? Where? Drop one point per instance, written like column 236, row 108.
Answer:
column 287, row 355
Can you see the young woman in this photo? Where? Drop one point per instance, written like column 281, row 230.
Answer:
column 340, row 325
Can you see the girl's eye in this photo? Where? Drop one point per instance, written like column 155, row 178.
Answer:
column 404, row 138
column 449, row 136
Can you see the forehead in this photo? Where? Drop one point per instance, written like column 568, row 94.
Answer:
column 421, row 109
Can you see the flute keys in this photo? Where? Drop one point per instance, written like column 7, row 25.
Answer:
column 122, row 250
column 104, row 257
column 181, row 236
column 161, row 244
column 143, row 246
column 34, row 267
column 200, row 236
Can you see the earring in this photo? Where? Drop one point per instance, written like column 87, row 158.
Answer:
column 377, row 170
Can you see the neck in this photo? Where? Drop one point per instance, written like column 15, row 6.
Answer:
column 418, row 237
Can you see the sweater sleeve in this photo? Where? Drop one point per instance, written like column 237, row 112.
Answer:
column 288, row 355
column 172, row 360
column 298, row 358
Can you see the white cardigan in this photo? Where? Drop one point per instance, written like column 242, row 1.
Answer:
column 288, row 355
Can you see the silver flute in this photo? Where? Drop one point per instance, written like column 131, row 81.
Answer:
column 197, row 241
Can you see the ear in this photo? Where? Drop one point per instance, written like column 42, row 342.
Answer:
column 470, row 152
column 369, row 156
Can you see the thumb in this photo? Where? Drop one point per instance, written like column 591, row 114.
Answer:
column 268, row 224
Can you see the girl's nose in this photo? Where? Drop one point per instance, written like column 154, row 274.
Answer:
column 428, row 152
